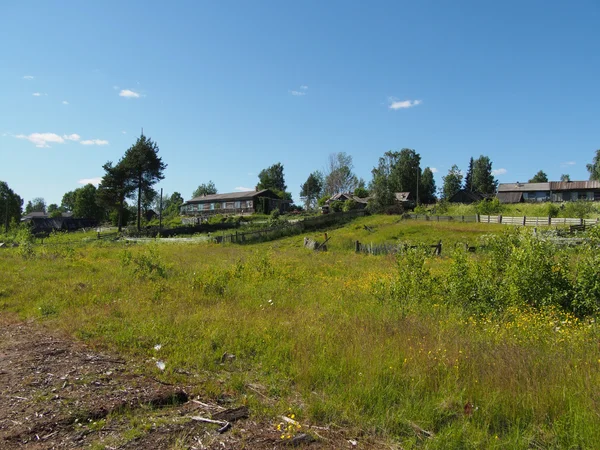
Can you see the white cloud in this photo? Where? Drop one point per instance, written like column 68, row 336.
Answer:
column 567, row 164
column 297, row 93
column 124, row 132
column 28, row 77
column 242, row 189
column 500, row 171
column 71, row 137
column 128, row 94
column 304, row 87
column 64, row 102
column 41, row 140
column 94, row 142
column 95, row 181
column 433, row 170
column 402, row 104
column 38, row 94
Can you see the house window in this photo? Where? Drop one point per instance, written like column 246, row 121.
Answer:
column 249, row 204
column 238, row 205
column 574, row 196
column 212, row 206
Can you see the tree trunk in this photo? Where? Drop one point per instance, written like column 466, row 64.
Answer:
column 139, row 212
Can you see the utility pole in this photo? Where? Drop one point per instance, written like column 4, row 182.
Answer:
column 160, row 211
column 6, row 214
column 418, row 170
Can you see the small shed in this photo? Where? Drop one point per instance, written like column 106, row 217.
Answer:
column 466, row 196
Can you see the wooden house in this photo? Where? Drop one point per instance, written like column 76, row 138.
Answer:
column 234, row 203
column 553, row 191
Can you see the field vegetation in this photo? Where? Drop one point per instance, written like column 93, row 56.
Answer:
column 496, row 349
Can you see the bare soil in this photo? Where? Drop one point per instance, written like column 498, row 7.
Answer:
column 57, row 393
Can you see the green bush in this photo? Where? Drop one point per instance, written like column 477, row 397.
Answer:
column 489, row 207
column 349, row 205
column 336, row 206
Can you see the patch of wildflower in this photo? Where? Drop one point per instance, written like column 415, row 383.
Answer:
column 289, row 427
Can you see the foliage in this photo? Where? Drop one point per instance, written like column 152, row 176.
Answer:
column 272, row 178
column 144, row 168
column 427, row 187
column 86, row 204
column 361, row 192
column 580, row 209
column 323, row 200
column 312, row 189
column 469, row 177
column 10, row 206
column 350, row 339
column 452, row 182
column 399, row 172
column 38, row 204
column 565, row 177
column 274, row 218
column 205, row 189
column 483, row 179
column 68, row 201
column 594, row 167
column 539, row 177
column 338, row 177
column 489, row 206
column 552, row 210
column 336, row 206
column 349, row 205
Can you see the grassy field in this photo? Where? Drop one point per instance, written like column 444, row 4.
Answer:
column 383, row 346
column 581, row 209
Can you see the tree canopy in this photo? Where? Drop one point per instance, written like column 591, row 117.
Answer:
column 38, row 204
column 205, row 189
column 272, row 178
column 338, row 177
column 311, row 189
column 483, row 178
column 565, row 177
column 469, row 176
column 144, row 168
column 539, row 177
column 86, row 204
column 452, row 182
column 10, row 206
column 594, row 167
column 427, row 187
column 114, row 188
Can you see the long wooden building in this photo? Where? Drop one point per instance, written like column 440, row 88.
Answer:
column 234, row 203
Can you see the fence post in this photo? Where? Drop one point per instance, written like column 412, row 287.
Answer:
column 477, row 218
column 356, row 246
column 549, row 220
column 500, row 218
column 524, row 220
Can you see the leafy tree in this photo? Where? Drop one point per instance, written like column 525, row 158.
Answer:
column 565, row 177
column 205, row 189
column 361, row 192
column 339, row 177
column 115, row 187
column 144, row 169
column 539, row 177
column 452, row 182
column 86, row 205
column 171, row 204
column 427, row 187
column 38, row 204
column 311, row 189
column 469, row 176
column 10, row 205
column 68, row 201
column 272, row 178
column 397, row 172
column 54, row 210
column 594, row 167
column 483, row 179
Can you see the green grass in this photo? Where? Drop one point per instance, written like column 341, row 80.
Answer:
column 311, row 332
column 566, row 209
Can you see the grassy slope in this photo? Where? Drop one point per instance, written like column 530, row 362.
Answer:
column 310, row 332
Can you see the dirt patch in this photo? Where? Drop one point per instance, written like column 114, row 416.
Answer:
column 56, row 393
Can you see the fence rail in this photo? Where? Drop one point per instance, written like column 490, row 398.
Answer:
column 508, row 220
column 387, row 248
column 288, row 229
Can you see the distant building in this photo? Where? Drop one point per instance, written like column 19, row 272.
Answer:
column 466, row 196
column 42, row 223
column 552, row 191
column 361, row 203
column 234, row 203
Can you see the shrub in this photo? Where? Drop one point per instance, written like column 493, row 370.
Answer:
column 274, row 218
column 336, row 206
column 489, row 207
column 349, row 205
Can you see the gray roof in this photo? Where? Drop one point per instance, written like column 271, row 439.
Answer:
column 231, row 196
column 510, row 197
column 523, row 187
column 573, row 185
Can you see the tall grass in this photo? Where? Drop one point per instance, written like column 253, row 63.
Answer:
column 340, row 338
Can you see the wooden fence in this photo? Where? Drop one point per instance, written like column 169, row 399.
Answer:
column 387, row 248
column 288, row 229
column 507, row 220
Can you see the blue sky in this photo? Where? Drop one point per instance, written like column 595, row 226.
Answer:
column 229, row 88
